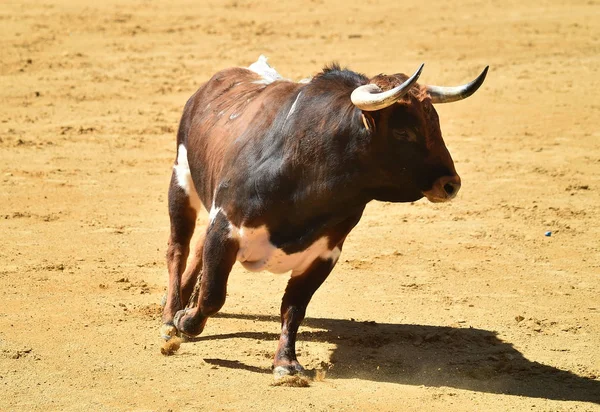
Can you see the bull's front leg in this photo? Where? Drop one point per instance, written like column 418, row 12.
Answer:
column 298, row 293
column 219, row 255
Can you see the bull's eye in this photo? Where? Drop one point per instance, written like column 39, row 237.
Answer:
column 405, row 135
column 400, row 134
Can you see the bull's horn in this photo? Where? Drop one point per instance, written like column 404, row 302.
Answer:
column 441, row 94
column 369, row 97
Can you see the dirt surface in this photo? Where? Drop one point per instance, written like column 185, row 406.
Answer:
column 460, row 306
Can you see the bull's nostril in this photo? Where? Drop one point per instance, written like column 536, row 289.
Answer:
column 449, row 188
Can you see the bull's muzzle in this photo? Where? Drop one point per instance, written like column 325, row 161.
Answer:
column 443, row 189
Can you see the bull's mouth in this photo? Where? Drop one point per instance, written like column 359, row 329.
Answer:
column 443, row 190
column 436, row 198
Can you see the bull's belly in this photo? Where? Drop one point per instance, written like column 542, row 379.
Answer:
column 257, row 253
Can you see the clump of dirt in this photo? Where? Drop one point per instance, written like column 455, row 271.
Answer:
column 293, row 381
column 18, row 353
column 171, row 346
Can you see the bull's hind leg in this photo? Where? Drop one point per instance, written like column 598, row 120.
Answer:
column 182, row 212
column 220, row 252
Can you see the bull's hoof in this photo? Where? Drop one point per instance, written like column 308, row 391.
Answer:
column 189, row 322
column 167, row 331
column 288, row 370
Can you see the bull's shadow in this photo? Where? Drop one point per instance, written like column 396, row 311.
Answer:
column 473, row 359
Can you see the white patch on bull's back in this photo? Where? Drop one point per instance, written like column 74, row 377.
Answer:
column 262, row 68
column 293, row 106
column 257, row 253
column 184, row 177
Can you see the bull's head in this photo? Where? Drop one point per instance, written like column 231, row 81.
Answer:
column 407, row 137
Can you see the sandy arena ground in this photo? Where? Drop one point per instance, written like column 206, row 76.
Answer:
column 448, row 307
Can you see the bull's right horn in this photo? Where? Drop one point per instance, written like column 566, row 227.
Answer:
column 441, row 94
column 370, row 98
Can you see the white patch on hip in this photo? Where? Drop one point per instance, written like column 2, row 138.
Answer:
column 262, row 68
column 257, row 253
column 184, row 177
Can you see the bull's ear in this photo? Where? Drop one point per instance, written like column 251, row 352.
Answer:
column 368, row 121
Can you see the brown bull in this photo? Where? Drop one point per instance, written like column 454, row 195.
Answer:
column 285, row 170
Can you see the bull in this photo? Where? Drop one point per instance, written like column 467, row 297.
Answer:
column 285, row 170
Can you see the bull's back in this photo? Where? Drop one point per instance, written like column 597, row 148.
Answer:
column 235, row 104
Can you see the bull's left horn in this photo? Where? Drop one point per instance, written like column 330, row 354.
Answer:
column 441, row 94
column 369, row 97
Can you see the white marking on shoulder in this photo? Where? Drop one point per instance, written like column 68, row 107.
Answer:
column 293, row 106
column 268, row 74
column 184, row 177
column 257, row 253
